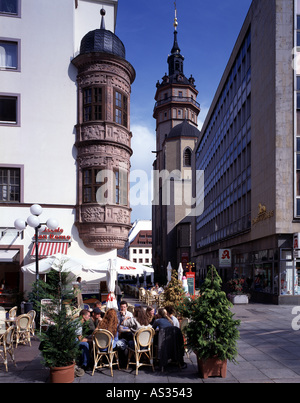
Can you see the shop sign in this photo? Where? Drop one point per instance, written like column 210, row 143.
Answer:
column 263, row 214
column 225, row 257
column 296, row 242
column 53, row 235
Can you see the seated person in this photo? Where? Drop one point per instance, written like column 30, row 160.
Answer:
column 123, row 312
column 162, row 320
column 110, row 323
column 170, row 311
column 135, row 323
column 94, row 320
column 124, row 331
column 84, row 340
column 150, row 314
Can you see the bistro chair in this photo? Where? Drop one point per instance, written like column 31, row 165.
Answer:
column 32, row 314
column 143, row 348
column 6, row 346
column 161, row 299
column 2, row 321
column 142, row 294
column 103, row 349
column 12, row 312
column 150, row 297
column 22, row 332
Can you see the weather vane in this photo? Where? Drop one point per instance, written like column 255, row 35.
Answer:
column 175, row 20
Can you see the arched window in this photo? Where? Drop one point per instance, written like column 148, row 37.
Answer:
column 187, row 157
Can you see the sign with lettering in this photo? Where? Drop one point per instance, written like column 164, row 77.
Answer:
column 225, row 257
column 296, row 242
column 190, row 276
column 54, row 235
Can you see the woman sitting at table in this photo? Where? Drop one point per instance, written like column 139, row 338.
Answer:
column 162, row 320
column 150, row 314
column 138, row 321
column 110, row 322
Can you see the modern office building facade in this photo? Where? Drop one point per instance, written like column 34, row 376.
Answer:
column 249, row 153
column 65, row 90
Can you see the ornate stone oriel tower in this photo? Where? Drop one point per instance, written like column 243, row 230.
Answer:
column 103, row 140
column 176, row 111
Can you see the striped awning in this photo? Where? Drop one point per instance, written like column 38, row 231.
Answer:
column 51, row 248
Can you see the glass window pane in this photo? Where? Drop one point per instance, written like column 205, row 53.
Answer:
column 8, row 109
column 8, row 55
column 9, row 6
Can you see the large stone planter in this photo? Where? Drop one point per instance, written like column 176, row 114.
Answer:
column 239, row 299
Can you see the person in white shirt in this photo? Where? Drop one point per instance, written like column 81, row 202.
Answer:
column 170, row 312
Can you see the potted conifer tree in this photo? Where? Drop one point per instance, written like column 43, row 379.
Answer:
column 212, row 331
column 59, row 342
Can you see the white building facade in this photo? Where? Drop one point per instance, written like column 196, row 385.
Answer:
column 38, row 115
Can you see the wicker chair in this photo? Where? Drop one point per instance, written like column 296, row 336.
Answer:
column 32, row 314
column 22, row 332
column 13, row 312
column 150, row 297
column 161, row 300
column 103, row 348
column 6, row 346
column 143, row 347
column 142, row 294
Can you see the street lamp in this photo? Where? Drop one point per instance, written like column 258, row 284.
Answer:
column 34, row 222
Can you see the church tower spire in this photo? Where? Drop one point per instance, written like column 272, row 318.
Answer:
column 175, row 60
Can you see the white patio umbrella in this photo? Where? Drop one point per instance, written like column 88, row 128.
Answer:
column 169, row 272
column 180, row 272
column 111, row 277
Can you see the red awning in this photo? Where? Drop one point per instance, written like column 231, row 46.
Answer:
column 51, row 248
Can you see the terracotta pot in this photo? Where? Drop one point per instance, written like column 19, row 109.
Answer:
column 62, row 374
column 212, row 367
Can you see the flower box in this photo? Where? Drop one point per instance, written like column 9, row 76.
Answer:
column 239, row 299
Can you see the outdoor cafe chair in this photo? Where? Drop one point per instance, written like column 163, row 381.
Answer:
column 6, row 346
column 143, row 348
column 103, row 349
column 32, row 314
column 22, row 331
column 12, row 312
column 2, row 321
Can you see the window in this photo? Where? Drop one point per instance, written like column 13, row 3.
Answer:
column 10, row 185
column 9, row 55
column 91, row 184
column 92, row 104
column 121, row 187
column 104, row 186
column 121, row 109
column 9, row 109
column 298, row 30
column 10, row 7
column 187, row 157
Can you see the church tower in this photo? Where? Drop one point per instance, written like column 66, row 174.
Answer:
column 176, row 112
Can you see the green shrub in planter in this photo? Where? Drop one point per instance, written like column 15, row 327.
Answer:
column 212, row 331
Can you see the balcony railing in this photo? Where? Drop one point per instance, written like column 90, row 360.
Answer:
column 177, row 99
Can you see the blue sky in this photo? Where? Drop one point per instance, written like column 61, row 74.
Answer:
column 207, row 32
